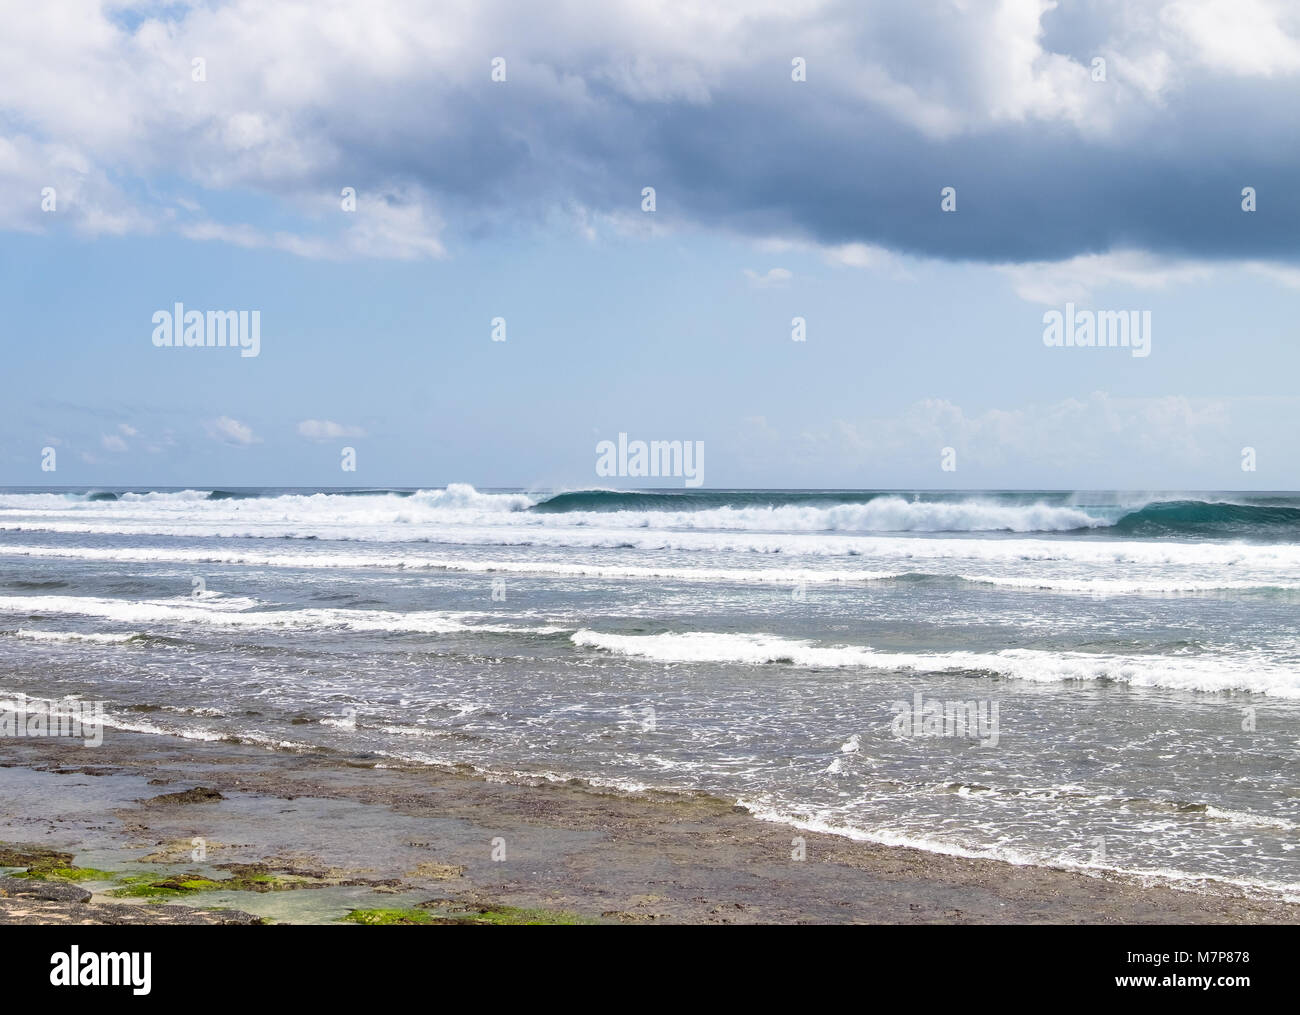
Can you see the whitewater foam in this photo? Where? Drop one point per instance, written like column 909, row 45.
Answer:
column 461, row 504
column 172, row 612
column 1218, row 673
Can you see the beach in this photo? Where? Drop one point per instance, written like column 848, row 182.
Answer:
column 339, row 838
column 657, row 706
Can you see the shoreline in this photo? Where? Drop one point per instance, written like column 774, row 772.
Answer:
column 311, row 838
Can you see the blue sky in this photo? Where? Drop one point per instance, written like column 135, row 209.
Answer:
column 774, row 199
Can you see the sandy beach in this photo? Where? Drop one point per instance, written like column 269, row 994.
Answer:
column 309, row 838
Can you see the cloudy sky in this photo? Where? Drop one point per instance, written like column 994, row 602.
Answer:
column 155, row 153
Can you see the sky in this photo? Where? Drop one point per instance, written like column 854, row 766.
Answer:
column 202, row 153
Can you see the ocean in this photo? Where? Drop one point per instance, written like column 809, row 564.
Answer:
column 1102, row 681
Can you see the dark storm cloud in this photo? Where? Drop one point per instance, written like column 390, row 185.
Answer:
column 901, row 100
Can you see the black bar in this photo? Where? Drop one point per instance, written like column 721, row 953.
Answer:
column 970, row 964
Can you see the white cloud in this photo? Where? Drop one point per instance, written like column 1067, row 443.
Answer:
column 231, row 431
column 771, row 277
column 399, row 224
column 1247, row 38
column 866, row 256
column 1078, row 279
column 112, row 442
column 325, row 430
column 863, row 255
column 1287, row 275
column 50, row 183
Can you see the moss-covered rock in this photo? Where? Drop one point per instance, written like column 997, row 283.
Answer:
column 510, row 916
column 442, row 911
column 43, row 864
column 243, row 878
column 55, row 873
column 32, row 857
column 260, row 877
column 389, row 917
column 148, row 887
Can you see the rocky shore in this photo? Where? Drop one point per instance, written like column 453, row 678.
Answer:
column 148, row 829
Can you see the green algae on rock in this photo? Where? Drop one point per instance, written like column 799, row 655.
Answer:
column 68, row 873
column 500, row 916
column 389, row 917
column 29, row 857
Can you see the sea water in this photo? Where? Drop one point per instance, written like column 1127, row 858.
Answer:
column 1108, row 681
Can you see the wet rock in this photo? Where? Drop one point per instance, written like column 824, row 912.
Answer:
column 45, row 891
column 29, row 911
column 436, row 871
column 32, row 856
column 261, row 877
column 197, row 795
